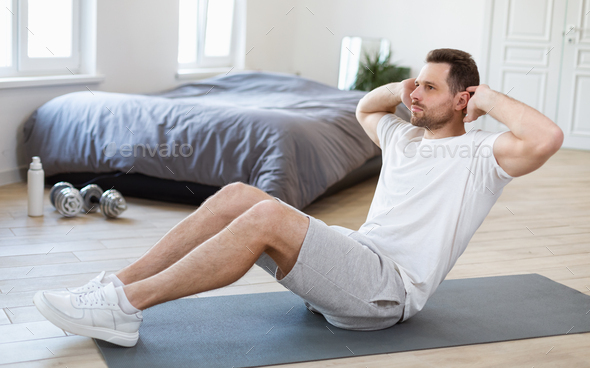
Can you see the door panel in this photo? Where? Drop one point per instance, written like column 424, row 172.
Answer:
column 574, row 97
column 529, row 20
column 531, row 87
column 524, row 59
column 581, row 110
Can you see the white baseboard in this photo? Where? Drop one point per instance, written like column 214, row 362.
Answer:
column 16, row 175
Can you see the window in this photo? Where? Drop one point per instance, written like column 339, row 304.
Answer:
column 6, row 31
column 206, row 33
column 39, row 37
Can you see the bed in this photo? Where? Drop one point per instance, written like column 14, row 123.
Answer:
column 294, row 138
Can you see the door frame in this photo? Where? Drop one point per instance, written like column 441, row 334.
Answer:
column 485, row 52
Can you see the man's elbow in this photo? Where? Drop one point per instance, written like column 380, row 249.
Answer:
column 359, row 107
column 360, row 115
column 556, row 139
column 359, row 118
column 552, row 143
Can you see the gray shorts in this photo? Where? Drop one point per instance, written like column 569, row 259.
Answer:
column 343, row 277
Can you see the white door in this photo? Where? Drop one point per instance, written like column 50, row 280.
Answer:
column 525, row 54
column 574, row 97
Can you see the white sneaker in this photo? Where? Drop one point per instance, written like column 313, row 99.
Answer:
column 95, row 314
column 94, row 284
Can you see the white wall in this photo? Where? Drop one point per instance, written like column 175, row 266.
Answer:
column 137, row 47
column 137, row 44
column 273, row 51
column 413, row 27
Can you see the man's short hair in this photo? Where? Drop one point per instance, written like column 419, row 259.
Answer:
column 463, row 71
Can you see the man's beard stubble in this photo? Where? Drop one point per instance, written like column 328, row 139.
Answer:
column 432, row 121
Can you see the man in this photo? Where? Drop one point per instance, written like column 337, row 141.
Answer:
column 426, row 208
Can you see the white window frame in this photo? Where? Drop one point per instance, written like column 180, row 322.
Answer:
column 24, row 66
column 202, row 61
column 12, row 70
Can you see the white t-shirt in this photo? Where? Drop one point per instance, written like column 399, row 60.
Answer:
column 431, row 197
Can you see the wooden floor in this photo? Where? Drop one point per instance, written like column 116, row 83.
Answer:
column 540, row 224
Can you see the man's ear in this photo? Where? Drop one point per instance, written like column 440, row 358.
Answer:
column 462, row 99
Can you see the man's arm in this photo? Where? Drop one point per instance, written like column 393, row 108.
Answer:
column 382, row 101
column 532, row 138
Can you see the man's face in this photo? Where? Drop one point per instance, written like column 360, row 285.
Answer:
column 432, row 102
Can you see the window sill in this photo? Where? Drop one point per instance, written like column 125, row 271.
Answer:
column 203, row 72
column 51, row 80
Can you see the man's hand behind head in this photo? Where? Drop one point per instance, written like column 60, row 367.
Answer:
column 406, row 87
column 478, row 102
column 382, row 101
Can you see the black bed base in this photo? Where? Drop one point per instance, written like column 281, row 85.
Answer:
column 148, row 187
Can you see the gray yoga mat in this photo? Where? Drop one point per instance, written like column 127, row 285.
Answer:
column 274, row 328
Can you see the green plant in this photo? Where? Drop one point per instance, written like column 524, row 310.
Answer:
column 378, row 71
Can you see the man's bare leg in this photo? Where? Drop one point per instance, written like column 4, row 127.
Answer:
column 267, row 227
column 211, row 217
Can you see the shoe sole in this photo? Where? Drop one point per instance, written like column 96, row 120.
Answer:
column 126, row 339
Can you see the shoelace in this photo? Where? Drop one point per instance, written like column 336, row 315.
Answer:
column 92, row 284
column 91, row 298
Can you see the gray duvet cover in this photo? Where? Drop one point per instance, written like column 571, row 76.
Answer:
column 289, row 136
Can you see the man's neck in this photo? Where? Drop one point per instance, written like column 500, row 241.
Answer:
column 451, row 129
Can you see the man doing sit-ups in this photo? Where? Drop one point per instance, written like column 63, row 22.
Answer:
column 437, row 184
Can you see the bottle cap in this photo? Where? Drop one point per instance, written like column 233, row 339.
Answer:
column 36, row 164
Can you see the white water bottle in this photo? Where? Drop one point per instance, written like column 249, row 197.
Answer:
column 35, row 185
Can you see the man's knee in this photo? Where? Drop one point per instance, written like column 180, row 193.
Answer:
column 242, row 192
column 266, row 212
column 236, row 188
column 275, row 222
column 261, row 220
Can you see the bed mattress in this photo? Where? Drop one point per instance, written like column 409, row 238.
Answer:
column 289, row 136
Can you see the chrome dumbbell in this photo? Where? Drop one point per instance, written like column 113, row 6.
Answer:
column 112, row 203
column 66, row 199
column 91, row 194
